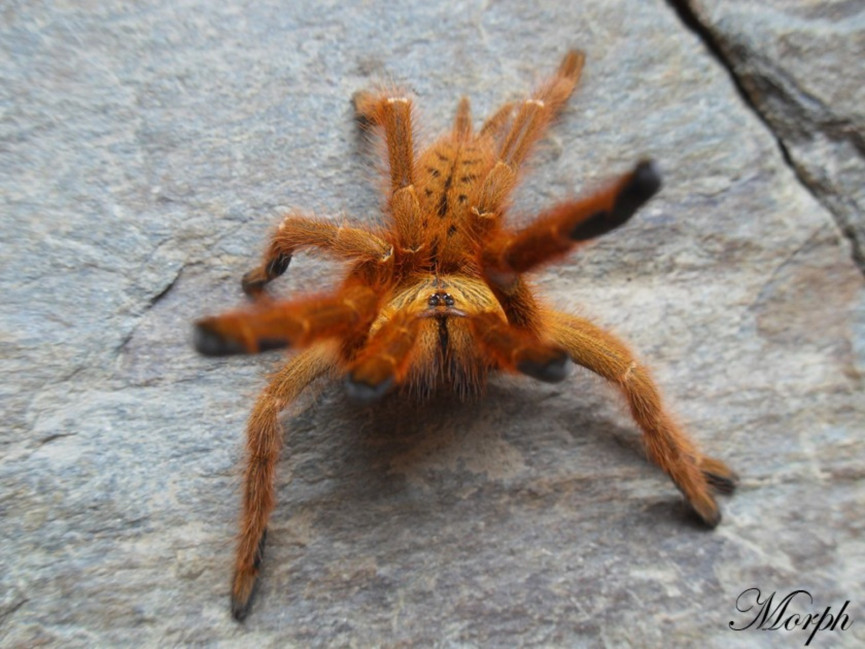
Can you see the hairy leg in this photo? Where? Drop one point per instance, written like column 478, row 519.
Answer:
column 393, row 115
column 296, row 232
column 696, row 475
column 298, row 323
column 531, row 121
column 496, row 123
column 463, row 121
column 384, row 360
column 519, row 350
column 536, row 113
column 263, row 444
column 557, row 230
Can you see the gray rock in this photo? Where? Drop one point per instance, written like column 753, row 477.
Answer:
column 797, row 64
column 146, row 152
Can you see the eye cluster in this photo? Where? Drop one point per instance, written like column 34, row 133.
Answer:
column 440, row 299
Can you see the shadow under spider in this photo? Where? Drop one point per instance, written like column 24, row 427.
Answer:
column 365, row 452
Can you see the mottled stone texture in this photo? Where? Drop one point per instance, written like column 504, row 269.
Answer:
column 145, row 153
column 800, row 65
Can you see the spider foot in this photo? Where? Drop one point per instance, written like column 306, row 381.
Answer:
column 721, row 478
column 643, row 183
column 254, row 281
column 210, row 342
column 706, row 509
column 244, row 584
column 364, row 103
column 241, row 601
column 362, row 393
column 210, row 339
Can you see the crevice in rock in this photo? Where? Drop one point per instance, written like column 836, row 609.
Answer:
column 150, row 304
column 12, row 609
column 788, row 259
column 55, row 436
column 165, row 290
column 689, row 18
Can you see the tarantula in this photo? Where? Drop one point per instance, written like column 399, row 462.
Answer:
column 439, row 297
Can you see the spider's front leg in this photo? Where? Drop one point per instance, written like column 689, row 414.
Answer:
column 558, row 229
column 696, row 475
column 273, row 325
column 263, row 444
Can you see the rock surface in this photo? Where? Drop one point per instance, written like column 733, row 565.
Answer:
column 147, row 151
column 796, row 63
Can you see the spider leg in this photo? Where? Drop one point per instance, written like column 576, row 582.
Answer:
column 384, row 360
column 462, row 130
column 536, row 113
column 263, row 444
column 556, row 230
column 496, row 122
column 519, row 350
column 696, row 475
column 297, row 232
column 532, row 119
column 519, row 304
column 393, row 114
column 273, row 325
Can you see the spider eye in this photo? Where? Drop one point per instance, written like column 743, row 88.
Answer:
column 440, row 299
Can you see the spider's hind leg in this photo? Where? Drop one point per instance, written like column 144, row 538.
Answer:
column 393, row 113
column 528, row 126
column 536, row 113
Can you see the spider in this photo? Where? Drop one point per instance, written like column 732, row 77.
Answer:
column 439, row 297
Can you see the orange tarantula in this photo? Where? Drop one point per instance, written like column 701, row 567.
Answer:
column 439, row 297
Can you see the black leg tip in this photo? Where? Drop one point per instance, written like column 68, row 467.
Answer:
column 644, row 183
column 253, row 283
column 245, row 586
column 723, row 484
column 707, row 513
column 210, row 343
column 239, row 610
column 551, row 372
column 278, row 265
column 363, row 393
column 240, row 607
column 710, row 522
